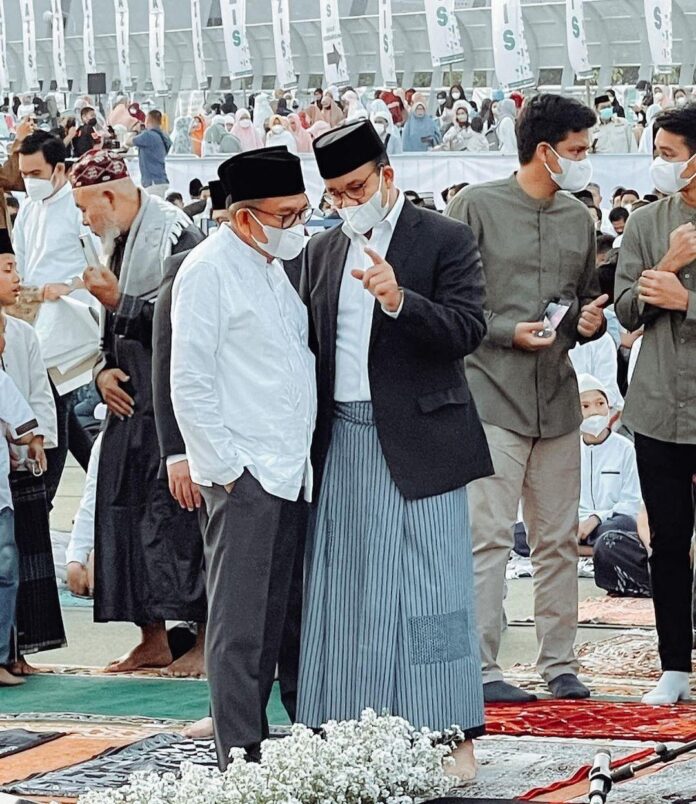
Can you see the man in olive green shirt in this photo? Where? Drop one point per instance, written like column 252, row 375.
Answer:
column 537, row 247
column 656, row 289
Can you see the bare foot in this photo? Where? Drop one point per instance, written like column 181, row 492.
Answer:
column 190, row 665
column 199, row 729
column 153, row 651
column 8, row 680
column 463, row 769
column 22, row 668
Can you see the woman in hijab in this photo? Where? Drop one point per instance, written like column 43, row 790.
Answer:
column 507, row 112
column 329, row 112
column 662, row 96
column 320, row 127
column 353, row 108
column 279, row 135
column 303, row 139
column 229, row 143
column 262, row 112
column 282, row 107
column 421, row 132
column 458, row 136
column 647, row 140
column 181, row 139
column 395, row 106
column 680, row 97
column 487, row 115
column 246, row 132
column 384, row 126
column 214, row 136
column 120, row 116
column 228, row 105
column 198, row 127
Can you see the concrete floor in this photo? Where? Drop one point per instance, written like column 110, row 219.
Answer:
column 91, row 644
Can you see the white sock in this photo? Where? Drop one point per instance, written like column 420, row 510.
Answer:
column 671, row 688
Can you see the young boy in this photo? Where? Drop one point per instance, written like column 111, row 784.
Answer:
column 17, row 419
column 610, row 498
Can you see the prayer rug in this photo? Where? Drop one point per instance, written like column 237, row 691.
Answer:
column 14, row 741
column 619, row 612
column 593, row 720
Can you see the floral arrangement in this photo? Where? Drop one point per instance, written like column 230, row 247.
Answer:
column 378, row 758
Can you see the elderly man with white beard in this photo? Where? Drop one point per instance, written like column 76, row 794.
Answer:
column 148, row 550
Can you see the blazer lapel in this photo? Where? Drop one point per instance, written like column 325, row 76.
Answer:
column 333, row 265
column 399, row 256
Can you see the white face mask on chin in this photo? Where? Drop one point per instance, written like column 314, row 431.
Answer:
column 667, row 176
column 574, row 175
column 595, row 425
column 364, row 217
column 245, row 122
column 39, row 189
column 284, row 244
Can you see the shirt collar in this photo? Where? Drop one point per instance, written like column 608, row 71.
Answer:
column 64, row 190
column 390, row 221
column 535, row 203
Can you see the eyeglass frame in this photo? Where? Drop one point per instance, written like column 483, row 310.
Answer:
column 303, row 217
column 349, row 194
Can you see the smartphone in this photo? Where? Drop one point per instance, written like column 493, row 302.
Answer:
column 91, row 256
column 554, row 313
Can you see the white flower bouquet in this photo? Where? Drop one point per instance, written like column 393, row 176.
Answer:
column 378, row 758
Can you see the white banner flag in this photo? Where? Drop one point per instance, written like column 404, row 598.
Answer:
column 335, row 66
column 443, row 32
column 198, row 57
column 387, row 58
column 510, row 53
column 577, row 43
column 285, row 68
column 156, row 41
column 59, row 68
column 123, row 44
column 88, row 53
column 658, row 19
column 234, row 32
column 31, row 76
column 4, row 74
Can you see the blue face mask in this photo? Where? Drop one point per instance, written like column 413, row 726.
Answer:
column 606, row 114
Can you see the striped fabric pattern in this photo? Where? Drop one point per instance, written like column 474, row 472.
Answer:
column 389, row 618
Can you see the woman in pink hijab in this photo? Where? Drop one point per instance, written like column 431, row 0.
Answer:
column 245, row 131
column 319, row 128
column 302, row 137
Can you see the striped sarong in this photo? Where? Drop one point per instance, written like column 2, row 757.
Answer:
column 39, row 618
column 389, row 618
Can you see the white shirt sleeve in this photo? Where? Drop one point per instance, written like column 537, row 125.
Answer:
column 41, row 397
column 18, row 241
column 631, row 497
column 14, row 409
column 197, row 321
column 82, row 536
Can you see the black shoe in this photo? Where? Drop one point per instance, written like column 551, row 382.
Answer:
column 502, row 692
column 568, row 687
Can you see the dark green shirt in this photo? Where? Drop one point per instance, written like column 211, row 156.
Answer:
column 533, row 251
column 661, row 401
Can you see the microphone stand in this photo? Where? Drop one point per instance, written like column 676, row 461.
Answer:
column 663, row 755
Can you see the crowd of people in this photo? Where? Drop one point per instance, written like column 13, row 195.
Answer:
column 324, row 454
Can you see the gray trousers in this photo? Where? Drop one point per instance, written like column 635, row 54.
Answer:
column 250, row 542
column 545, row 474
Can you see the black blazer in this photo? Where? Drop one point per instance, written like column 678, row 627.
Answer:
column 426, row 421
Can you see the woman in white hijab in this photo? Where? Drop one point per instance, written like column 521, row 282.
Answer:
column 384, row 125
column 214, row 135
column 262, row 112
column 647, row 140
column 245, row 131
column 507, row 111
column 279, row 135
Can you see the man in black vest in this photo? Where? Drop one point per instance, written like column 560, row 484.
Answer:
column 395, row 303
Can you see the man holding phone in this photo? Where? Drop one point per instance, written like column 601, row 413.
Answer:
column 524, row 385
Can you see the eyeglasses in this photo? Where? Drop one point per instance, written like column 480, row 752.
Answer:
column 291, row 219
column 354, row 193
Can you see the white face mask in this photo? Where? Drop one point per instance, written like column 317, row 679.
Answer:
column 285, row 244
column 456, row 96
column 595, row 425
column 277, row 129
column 39, row 189
column 628, row 208
column 381, row 128
column 574, row 175
column 666, row 176
column 680, row 101
column 365, row 217
column 245, row 122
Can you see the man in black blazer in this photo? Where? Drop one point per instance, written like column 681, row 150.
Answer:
column 395, row 301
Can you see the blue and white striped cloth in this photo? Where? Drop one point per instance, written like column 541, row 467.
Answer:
column 389, row 618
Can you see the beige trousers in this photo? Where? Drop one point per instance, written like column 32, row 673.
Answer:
column 545, row 474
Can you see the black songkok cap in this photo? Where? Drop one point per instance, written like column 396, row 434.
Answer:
column 264, row 173
column 5, row 242
column 344, row 149
column 602, row 99
column 195, row 187
column 218, row 195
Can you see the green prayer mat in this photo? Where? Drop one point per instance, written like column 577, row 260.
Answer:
column 158, row 698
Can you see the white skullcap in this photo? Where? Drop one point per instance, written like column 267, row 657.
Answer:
column 586, row 382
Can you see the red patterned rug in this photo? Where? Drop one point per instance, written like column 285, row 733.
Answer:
column 593, row 720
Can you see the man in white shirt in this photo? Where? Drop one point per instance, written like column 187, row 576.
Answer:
column 50, row 259
column 613, row 134
column 244, row 394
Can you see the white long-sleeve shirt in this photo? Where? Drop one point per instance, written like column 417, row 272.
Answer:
column 609, row 479
column 82, row 536
column 47, row 240
column 17, row 420
column 599, row 358
column 22, row 361
column 355, row 310
column 242, row 375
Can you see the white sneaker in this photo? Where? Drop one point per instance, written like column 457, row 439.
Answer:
column 672, row 688
column 519, row 567
column 586, row 568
